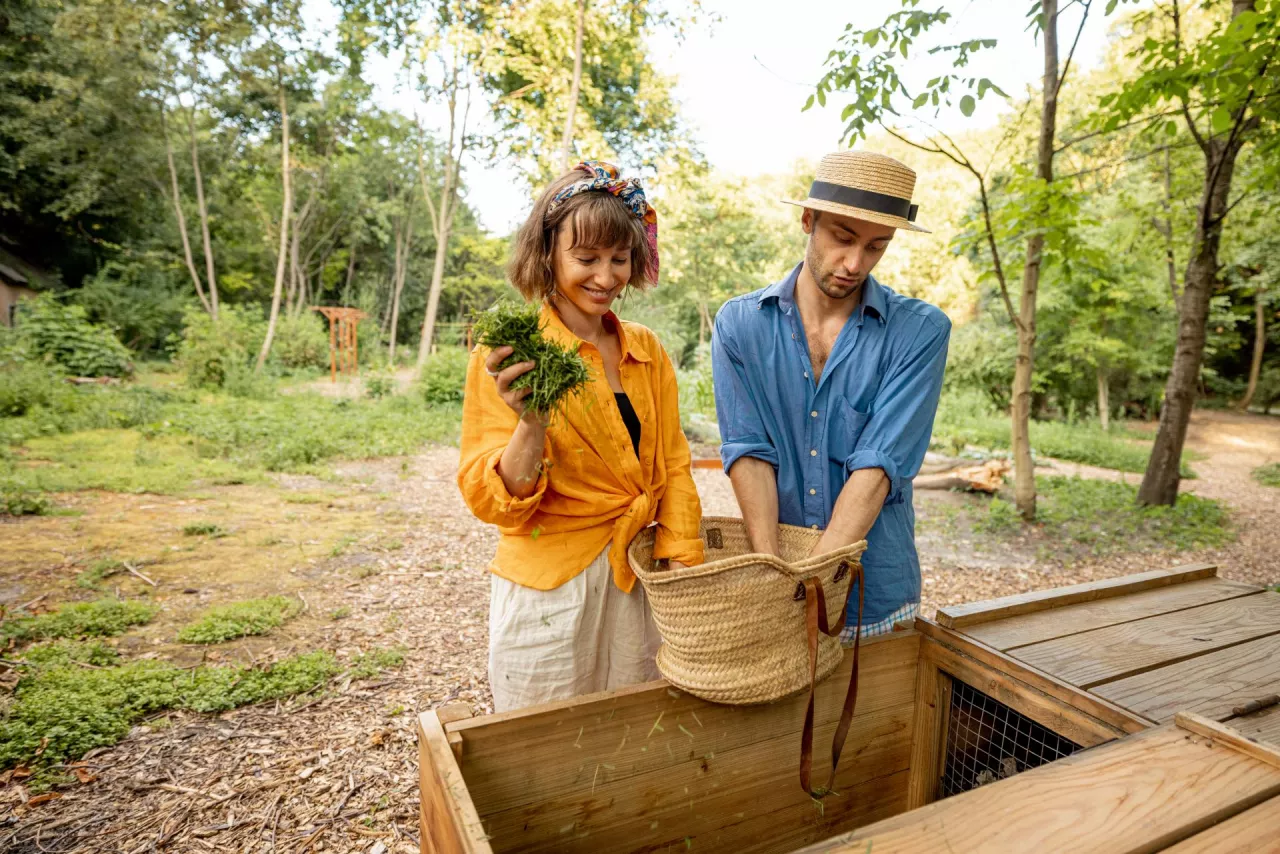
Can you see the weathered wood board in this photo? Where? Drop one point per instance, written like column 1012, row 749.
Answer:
column 649, row 768
column 1014, row 632
column 1142, row 793
column 1115, row 652
column 1254, row 831
column 1210, row 684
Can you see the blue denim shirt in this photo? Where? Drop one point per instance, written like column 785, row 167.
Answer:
column 873, row 407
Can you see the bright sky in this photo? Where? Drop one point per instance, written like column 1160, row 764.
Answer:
column 743, row 80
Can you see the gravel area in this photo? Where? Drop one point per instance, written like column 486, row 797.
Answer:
column 339, row 772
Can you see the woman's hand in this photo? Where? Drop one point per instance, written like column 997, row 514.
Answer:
column 513, row 398
column 675, row 564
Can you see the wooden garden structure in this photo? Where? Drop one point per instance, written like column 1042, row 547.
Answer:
column 1129, row 715
column 344, row 344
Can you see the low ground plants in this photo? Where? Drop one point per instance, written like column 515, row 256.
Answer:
column 1268, row 475
column 1083, row 517
column 103, row 618
column 241, row 619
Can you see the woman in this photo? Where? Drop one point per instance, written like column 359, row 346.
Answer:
column 566, row 616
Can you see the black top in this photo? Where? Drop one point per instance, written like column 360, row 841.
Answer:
column 629, row 418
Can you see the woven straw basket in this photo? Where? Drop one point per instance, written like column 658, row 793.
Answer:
column 733, row 628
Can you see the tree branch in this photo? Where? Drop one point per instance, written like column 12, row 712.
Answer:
column 1084, row 16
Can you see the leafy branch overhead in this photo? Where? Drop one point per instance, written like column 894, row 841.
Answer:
column 873, row 79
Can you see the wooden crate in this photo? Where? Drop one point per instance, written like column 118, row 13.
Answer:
column 1139, row 667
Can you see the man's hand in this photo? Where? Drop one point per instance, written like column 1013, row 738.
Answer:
column 856, row 510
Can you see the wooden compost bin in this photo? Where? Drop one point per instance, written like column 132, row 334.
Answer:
column 953, row 707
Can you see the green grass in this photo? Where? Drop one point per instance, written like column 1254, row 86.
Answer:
column 203, row 529
column 103, row 618
column 1078, row 516
column 965, row 420
column 138, row 439
column 1268, row 475
column 75, row 696
column 240, row 619
column 98, row 572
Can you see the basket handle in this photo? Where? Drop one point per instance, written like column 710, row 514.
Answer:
column 815, row 617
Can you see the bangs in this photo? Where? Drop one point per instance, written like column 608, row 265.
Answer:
column 601, row 221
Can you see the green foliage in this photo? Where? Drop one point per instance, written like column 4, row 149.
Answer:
column 559, row 371
column 964, row 419
column 202, row 529
column 62, row 334
column 28, row 383
column 443, row 376
column 1104, row 516
column 1268, row 475
column 379, row 383
column 241, row 619
column 61, row 710
column 138, row 298
column 103, row 618
column 980, row 357
column 369, row 664
column 210, row 352
column 301, row 342
column 20, row 502
column 1002, row 519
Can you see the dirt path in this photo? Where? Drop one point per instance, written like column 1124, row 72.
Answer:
column 339, row 772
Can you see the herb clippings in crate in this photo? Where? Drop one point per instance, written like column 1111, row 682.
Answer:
column 558, row 371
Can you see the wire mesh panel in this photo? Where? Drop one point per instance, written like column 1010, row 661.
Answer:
column 988, row 741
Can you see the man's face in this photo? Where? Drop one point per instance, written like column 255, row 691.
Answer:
column 842, row 251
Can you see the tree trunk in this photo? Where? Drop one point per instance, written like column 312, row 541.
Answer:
column 203, row 208
column 566, row 141
column 1104, row 399
column 351, row 272
column 404, row 242
column 1160, row 483
column 1170, row 267
column 285, row 205
column 704, row 322
column 443, row 219
column 182, row 219
column 1024, row 469
column 1259, row 346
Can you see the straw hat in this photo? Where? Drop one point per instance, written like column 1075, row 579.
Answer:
column 864, row 186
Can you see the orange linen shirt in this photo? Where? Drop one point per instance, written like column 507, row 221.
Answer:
column 593, row 490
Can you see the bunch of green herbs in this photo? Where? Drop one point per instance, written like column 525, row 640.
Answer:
column 558, row 371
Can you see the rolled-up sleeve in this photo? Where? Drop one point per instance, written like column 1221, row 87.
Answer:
column 487, row 427
column 896, row 435
column 679, row 510
column 742, row 431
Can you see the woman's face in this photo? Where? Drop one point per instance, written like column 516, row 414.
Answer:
column 590, row 278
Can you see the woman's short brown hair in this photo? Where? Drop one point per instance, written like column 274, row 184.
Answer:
column 595, row 219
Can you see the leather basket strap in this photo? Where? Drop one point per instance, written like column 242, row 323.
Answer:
column 815, row 613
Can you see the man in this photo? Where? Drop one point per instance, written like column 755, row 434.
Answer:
column 827, row 384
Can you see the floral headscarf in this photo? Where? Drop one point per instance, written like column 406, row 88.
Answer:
column 604, row 177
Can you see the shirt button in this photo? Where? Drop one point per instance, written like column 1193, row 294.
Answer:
column 793, row 336
column 815, row 527
column 813, row 452
column 806, row 375
column 813, row 492
column 813, row 414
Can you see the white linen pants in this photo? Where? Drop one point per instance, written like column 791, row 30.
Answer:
column 582, row 637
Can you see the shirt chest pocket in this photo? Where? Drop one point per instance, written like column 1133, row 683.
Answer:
column 844, row 431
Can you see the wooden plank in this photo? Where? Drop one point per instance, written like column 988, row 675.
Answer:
column 1104, row 655
column 449, row 714
column 1260, row 726
column 1251, row 832
column 1228, row 735
column 1096, row 707
column 961, row 616
column 524, row 757
column 1063, row 718
column 1027, row 629
column 933, row 703
column 450, row 824
column 697, row 800
column 1210, row 684
column 1139, row 794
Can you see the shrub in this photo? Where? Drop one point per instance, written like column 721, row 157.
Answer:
column 300, row 342
column 379, row 383
column 241, row 619
column 443, row 376
column 63, row 335
column 28, row 383
column 139, row 299
column 103, row 618
column 1268, row 475
column 211, row 351
column 21, row 502
column 978, row 359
